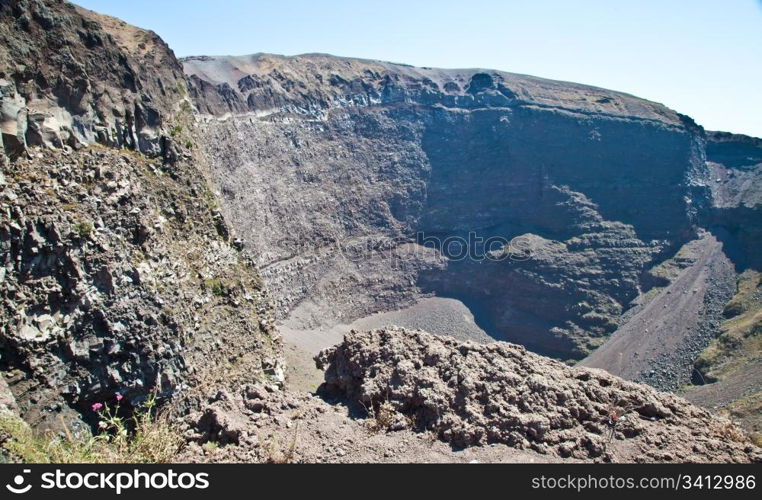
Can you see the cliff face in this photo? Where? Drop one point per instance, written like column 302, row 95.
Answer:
column 117, row 271
column 354, row 185
column 735, row 169
column 71, row 77
column 314, row 154
column 730, row 368
column 500, row 393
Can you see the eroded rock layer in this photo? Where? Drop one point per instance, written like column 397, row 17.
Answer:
column 316, row 154
column 735, row 172
column 70, row 76
column 118, row 273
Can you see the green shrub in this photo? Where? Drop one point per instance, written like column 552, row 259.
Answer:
column 83, row 229
column 216, row 287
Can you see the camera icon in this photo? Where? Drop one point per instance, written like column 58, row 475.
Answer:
column 18, row 486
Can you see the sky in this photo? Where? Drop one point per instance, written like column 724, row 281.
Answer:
column 702, row 58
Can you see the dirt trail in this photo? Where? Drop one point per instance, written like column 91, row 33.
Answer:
column 659, row 344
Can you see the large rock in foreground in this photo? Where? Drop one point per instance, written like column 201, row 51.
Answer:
column 472, row 394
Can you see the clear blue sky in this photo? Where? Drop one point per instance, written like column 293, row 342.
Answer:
column 699, row 57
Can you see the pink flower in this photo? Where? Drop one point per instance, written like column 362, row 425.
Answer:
column 119, row 397
column 97, row 406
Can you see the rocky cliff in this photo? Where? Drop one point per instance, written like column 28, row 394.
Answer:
column 690, row 303
column 349, row 176
column 146, row 213
column 71, row 76
column 735, row 166
column 118, row 272
column 561, row 215
column 729, row 370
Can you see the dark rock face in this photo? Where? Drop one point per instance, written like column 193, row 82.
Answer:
column 577, row 186
column 348, row 180
column 735, row 170
column 596, row 185
column 69, row 76
column 118, row 273
column 671, row 325
column 114, row 279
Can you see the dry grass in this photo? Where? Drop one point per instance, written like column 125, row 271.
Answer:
column 740, row 337
column 748, row 283
column 732, row 432
column 274, row 452
column 749, row 406
column 154, row 440
column 381, row 419
column 757, row 438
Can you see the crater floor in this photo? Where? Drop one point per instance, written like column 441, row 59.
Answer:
column 438, row 315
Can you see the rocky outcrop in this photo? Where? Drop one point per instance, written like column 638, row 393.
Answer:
column 735, row 178
column 70, row 77
column 596, row 185
column 259, row 423
column 118, row 276
column 472, row 394
column 118, row 273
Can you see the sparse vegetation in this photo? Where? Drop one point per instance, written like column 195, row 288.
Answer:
column 176, row 130
column 733, row 433
column 83, row 229
column 151, row 440
column 746, row 411
column 137, row 257
column 274, row 454
column 382, row 418
column 215, row 285
column 740, row 338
